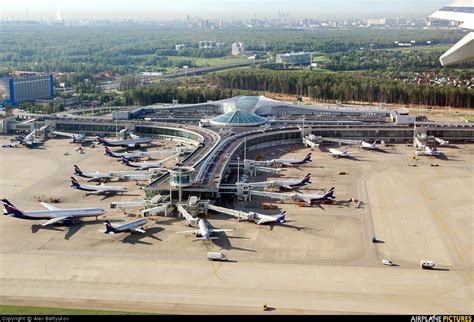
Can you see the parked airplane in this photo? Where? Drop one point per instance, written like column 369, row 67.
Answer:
column 76, row 138
column 11, row 144
column 142, row 165
column 92, row 175
column 442, row 142
column 368, row 146
column 55, row 215
column 283, row 184
column 130, row 143
column 101, row 189
column 203, row 231
column 261, row 219
column 314, row 198
column 132, row 227
column 338, row 154
column 28, row 140
column 429, row 152
column 460, row 12
column 292, row 162
column 129, row 156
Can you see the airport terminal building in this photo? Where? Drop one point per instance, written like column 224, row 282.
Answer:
column 15, row 90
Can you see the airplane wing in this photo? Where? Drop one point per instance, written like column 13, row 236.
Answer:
column 263, row 221
column 54, row 220
column 139, row 230
column 194, row 231
column 219, row 230
column 48, row 206
column 463, row 12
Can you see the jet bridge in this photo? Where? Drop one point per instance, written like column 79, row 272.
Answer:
column 156, row 210
column 240, row 215
column 191, row 220
column 273, row 195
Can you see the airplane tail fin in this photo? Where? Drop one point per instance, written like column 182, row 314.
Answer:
column 308, row 157
column 108, row 152
column 78, row 171
column 330, row 193
column 307, row 178
column 101, row 140
column 74, row 183
column 281, row 217
column 109, row 229
column 10, row 209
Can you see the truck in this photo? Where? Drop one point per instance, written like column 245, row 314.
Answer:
column 216, row 256
column 427, row 264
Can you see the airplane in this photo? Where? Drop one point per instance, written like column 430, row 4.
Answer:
column 77, row 138
column 314, row 198
column 261, row 219
column 142, row 165
column 129, row 156
column 442, row 142
column 338, row 154
column 11, row 144
column 93, row 176
column 55, row 215
column 130, row 143
column 203, row 231
column 292, row 162
column 28, row 140
column 101, row 189
column 368, row 146
column 292, row 183
column 429, row 152
column 132, row 227
column 459, row 11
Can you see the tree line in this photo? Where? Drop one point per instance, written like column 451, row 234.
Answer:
column 347, row 88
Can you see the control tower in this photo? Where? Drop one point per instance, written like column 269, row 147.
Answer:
column 180, row 176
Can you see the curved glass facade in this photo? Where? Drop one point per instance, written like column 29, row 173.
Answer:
column 246, row 103
column 238, row 118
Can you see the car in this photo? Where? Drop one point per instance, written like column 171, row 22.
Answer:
column 387, row 262
column 427, row 264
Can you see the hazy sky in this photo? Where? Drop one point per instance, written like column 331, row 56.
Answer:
column 99, row 9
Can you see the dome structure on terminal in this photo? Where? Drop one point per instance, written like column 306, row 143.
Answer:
column 238, row 117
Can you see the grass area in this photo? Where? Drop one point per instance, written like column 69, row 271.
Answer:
column 468, row 117
column 31, row 310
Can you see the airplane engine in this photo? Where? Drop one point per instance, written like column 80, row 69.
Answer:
column 68, row 222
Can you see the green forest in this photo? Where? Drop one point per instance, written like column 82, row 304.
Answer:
column 347, row 88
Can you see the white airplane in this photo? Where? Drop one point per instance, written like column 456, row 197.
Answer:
column 130, row 143
column 338, row 154
column 55, row 215
column 261, row 219
column 132, row 227
column 284, row 184
column 368, row 146
column 28, row 140
column 93, row 176
column 75, row 137
column 203, row 231
column 292, row 162
column 463, row 12
column 11, row 144
column 442, row 142
column 429, row 152
column 314, row 198
column 137, row 155
column 142, row 165
column 101, row 189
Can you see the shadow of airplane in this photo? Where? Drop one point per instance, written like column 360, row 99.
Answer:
column 136, row 238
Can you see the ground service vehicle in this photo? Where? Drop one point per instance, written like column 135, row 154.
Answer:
column 427, row 264
column 216, row 256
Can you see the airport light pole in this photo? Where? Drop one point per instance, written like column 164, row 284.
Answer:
column 238, row 169
column 185, row 67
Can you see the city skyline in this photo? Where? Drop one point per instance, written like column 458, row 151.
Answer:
column 244, row 9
